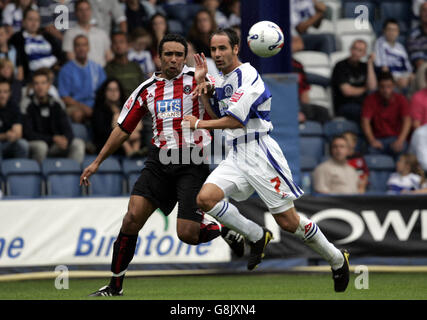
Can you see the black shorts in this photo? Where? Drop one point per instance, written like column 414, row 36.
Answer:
column 165, row 185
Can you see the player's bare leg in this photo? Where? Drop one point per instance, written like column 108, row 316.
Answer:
column 211, row 200
column 139, row 210
column 311, row 234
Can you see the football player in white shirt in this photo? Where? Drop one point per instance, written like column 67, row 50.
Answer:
column 255, row 161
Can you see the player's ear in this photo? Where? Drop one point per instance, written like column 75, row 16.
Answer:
column 236, row 49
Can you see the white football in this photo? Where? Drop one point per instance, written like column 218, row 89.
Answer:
column 265, row 39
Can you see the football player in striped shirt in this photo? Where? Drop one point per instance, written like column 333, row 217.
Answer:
column 167, row 96
column 255, row 161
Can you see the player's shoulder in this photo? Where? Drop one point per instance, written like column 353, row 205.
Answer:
column 144, row 86
column 246, row 73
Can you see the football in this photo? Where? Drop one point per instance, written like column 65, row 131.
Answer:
column 265, row 39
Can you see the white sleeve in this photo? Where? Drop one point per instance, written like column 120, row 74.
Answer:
column 249, row 95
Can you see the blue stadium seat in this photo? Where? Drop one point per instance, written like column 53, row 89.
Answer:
column 339, row 126
column 311, row 128
column 62, row 177
column 312, row 147
column 307, row 165
column 80, row 131
column 22, row 178
column 380, row 168
column 108, row 180
column 132, row 170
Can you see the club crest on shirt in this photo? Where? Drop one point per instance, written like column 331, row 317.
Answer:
column 228, row 90
column 187, row 89
column 168, row 108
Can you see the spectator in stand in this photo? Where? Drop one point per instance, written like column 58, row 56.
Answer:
column 233, row 10
column 308, row 111
column 417, row 48
column 158, row 28
column 107, row 12
column 28, row 91
column 203, row 25
column 12, row 15
column 351, row 81
column 57, row 16
column 109, row 100
column 99, row 41
column 7, row 72
column 9, row 52
column 306, row 14
column 127, row 72
column 220, row 18
column 36, row 50
column 386, row 120
column 409, row 176
column 78, row 81
column 12, row 145
column 138, row 14
column 47, row 126
column 419, row 106
column 390, row 55
column 181, row 10
column 335, row 175
column 354, row 157
column 140, row 42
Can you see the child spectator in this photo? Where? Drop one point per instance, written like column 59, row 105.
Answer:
column 140, row 42
column 354, row 157
column 409, row 175
column 47, row 126
column 391, row 55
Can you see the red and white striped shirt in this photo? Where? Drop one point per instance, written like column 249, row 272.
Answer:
column 168, row 101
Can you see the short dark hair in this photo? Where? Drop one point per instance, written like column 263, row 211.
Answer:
column 120, row 33
column 390, row 20
column 79, row 2
column 384, row 76
column 232, row 35
column 4, row 80
column 173, row 37
column 78, row 37
column 336, row 137
column 41, row 72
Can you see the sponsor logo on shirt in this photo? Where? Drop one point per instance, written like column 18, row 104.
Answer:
column 168, row 108
column 236, row 96
column 129, row 103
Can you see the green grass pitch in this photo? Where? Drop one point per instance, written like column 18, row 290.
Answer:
column 287, row 286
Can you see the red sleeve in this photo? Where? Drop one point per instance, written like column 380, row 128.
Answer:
column 405, row 109
column 415, row 107
column 132, row 112
column 367, row 108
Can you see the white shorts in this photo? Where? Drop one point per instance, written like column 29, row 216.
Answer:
column 261, row 167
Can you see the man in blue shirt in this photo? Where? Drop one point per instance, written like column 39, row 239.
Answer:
column 78, row 81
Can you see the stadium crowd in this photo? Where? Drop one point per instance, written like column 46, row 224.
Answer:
column 67, row 66
column 375, row 86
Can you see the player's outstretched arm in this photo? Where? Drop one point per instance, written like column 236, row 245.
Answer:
column 115, row 140
column 227, row 122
